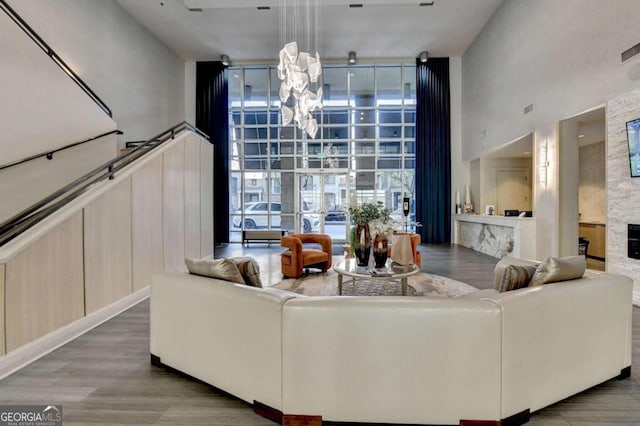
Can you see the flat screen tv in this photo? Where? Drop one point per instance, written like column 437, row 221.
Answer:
column 633, row 138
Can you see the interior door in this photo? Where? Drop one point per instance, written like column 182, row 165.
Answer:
column 322, row 198
column 514, row 190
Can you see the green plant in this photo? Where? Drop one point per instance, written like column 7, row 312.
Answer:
column 368, row 212
column 352, row 239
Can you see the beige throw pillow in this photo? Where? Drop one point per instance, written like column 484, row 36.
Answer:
column 223, row 269
column 515, row 277
column 555, row 269
column 249, row 270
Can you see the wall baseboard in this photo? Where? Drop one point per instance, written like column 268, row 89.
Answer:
column 24, row 355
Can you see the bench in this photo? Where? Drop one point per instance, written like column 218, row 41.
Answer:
column 262, row 235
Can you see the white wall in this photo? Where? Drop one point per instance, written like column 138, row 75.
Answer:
column 561, row 56
column 41, row 108
column 459, row 168
column 190, row 92
column 23, row 185
column 137, row 76
column 488, row 178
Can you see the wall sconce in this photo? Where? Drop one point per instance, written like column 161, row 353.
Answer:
column 225, row 60
column 424, row 56
column 543, row 163
column 352, row 58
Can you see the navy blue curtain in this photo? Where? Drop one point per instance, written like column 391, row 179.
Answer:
column 433, row 151
column 212, row 117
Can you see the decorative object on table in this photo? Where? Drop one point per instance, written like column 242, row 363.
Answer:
column 298, row 70
column 363, row 215
column 489, row 209
column 380, row 250
column 468, row 207
column 458, row 205
column 363, row 244
column 401, row 252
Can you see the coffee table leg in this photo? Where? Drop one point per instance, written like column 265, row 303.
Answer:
column 339, row 284
column 404, row 286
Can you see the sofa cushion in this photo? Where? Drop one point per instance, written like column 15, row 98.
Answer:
column 515, row 277
column 249, row 270
column 555, row 269
column 223, row 269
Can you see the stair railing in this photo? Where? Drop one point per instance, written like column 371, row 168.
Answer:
column 34, row 214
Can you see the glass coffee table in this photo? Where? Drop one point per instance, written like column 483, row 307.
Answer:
column 391, row 272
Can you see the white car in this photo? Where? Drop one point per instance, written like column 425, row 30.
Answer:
column 255, row 216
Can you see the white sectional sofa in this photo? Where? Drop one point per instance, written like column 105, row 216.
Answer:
column 486, row 356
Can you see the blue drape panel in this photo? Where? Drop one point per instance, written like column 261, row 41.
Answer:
column 433, row 151
column 212, row 117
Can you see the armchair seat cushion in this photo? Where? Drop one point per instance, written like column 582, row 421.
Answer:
column 313, row 256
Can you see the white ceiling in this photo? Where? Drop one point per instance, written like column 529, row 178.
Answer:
column 382, row 30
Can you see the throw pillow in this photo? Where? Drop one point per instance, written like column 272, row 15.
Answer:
column 516, row 277
column 249, row 270
column 555, row 269
column 501, row 267
column 223, row 269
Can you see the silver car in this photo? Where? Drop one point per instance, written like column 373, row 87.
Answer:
column 256, row 216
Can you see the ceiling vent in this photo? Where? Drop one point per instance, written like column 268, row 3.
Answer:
column 426, row 3
column 356, row 5
column 631, row 52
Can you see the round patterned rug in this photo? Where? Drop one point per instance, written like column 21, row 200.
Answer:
column 421, row 284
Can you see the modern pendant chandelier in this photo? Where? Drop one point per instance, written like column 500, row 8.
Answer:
column 301, row 89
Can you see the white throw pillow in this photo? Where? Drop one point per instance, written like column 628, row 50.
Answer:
column 223, row 269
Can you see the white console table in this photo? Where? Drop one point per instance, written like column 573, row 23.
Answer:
column 495, row 235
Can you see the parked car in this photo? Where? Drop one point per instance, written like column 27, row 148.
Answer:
column 255, row 217
column 336, row 214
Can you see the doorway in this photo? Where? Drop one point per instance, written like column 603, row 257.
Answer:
column 321, row 200
column 582, row 188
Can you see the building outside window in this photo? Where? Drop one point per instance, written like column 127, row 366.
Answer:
column 364, row 149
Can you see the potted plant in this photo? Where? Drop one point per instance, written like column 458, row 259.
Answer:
column 362, row 216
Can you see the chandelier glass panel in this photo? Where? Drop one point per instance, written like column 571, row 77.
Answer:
column 299, row 69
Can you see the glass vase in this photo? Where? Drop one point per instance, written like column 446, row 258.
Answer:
column 362, row 244
column 380, row 250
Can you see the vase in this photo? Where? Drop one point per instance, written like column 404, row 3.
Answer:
column 380, row 250
column 362, row 244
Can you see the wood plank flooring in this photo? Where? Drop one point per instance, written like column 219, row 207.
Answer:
column 104, row 377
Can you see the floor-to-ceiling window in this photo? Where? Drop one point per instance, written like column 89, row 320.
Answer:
column 364, row 149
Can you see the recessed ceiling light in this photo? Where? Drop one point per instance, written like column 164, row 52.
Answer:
column 581, row 136
column 527, row 152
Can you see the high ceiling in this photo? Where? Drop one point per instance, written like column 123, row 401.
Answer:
column 381, row 30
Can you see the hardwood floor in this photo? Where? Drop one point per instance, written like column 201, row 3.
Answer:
column 104, row 377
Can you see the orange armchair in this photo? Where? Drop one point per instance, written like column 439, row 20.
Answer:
column 299, row 257
column 415, row 242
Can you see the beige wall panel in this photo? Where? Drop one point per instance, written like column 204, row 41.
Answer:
column 44, row 284
column 206, row 200
column 173, row 209
column 107, row 247
column 146, row 223
column 192, row 197
column 2, row 351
